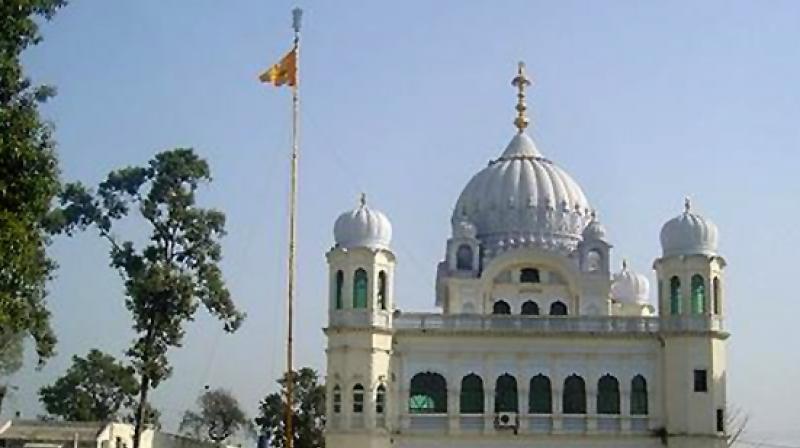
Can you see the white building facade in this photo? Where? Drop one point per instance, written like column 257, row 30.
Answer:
column 537, row 343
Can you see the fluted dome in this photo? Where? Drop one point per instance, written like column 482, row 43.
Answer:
column 363, row 227
column 630, row 287
column 523, row 199
column 689, row 234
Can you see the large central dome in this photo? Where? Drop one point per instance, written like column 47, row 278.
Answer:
column 523, row 199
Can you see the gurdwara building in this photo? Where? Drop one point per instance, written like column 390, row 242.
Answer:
column 537, row 343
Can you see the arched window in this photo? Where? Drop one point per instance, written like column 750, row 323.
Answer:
column 530, row 308
column 339, row 288
column 558, row 308
column 505, row 394
column 337, row 399
column 540, row 399
column 464, row 257
column 382, row 290
column 380, row 399
column 717, row 296
column 428, row 394
column 501, row 307
column 594, row 261
column 471, row 399
column 608, row 395
column 529, row 275
column 675, row 295
column 574, row 395
column 358, row 398
column 638, row 395
column 698, row 294
column 360, row 289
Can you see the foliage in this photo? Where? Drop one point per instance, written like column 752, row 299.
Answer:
column 94, row 388
column 28, row 178
column 219, row 411
column 308, row 412
column 175, row 271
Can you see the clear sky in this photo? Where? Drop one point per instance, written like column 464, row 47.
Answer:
column 641, row 102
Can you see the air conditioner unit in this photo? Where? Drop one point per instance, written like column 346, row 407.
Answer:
column 506, row 420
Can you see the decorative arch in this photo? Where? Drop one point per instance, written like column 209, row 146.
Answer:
column 501, row 307
column 540, row 399
column 608, row 395
column 358, row 398
column 558, row 308
column 464, row 257
column 471, row 397
column 594, row 261
column 382, row 290
column 505, row 394
column 698, row 294
column 530, row 308
column 717, row 296
column 675, row 295
column 638, row 395
column 339, row 289
column 360, row 290
column 427, row 394
column 574, row 395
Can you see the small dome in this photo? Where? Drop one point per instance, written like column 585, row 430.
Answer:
column 363, row 227
column 595, row 230
column 464, row 229
column 689, row 234
column 629, row 286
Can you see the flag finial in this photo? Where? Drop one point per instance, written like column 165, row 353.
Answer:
column 297, row 15
column 521, row 81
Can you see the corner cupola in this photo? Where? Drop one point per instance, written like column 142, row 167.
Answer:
column 689, row 234
column 363, row 227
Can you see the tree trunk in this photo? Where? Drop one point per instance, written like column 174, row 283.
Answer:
column 141, row 411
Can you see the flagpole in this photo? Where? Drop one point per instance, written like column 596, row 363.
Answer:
column 296, row 17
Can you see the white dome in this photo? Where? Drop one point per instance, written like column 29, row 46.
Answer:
column 629, row 286
column 689, row 234
column 595, row 230
column 363, row 227
column 523, row 198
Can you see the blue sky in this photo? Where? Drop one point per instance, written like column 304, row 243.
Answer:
column 641, row 102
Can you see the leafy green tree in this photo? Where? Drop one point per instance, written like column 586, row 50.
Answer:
column 28, row 178
column 219, row 413
column 308, row 412
column 175, row 271
column 94, row 388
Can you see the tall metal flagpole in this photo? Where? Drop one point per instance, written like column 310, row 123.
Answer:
column 296, row 17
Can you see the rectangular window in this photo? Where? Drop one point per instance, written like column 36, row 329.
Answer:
column 700, row 380
column 720, row 421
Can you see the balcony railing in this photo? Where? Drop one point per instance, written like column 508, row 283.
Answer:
column 549, row 324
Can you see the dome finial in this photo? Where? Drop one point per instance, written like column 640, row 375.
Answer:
column 624, row 264
column 362, row 200
column 521, row 81
column 687, row 204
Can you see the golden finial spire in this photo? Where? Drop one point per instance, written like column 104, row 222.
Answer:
column 362, row 200
column 521, row 81
column 687, row 204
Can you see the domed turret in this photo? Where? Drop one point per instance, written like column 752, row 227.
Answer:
column 629, row 286
column 689, row 234
column 363, row 227
column 595, row 230
column 522, row 198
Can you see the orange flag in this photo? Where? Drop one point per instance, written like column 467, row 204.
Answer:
column 284, row 72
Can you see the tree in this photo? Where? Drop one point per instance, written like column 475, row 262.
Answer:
column 28, row 179
column 219, row 414
column 94, row 388
column 177, row 269
column 308, row 412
